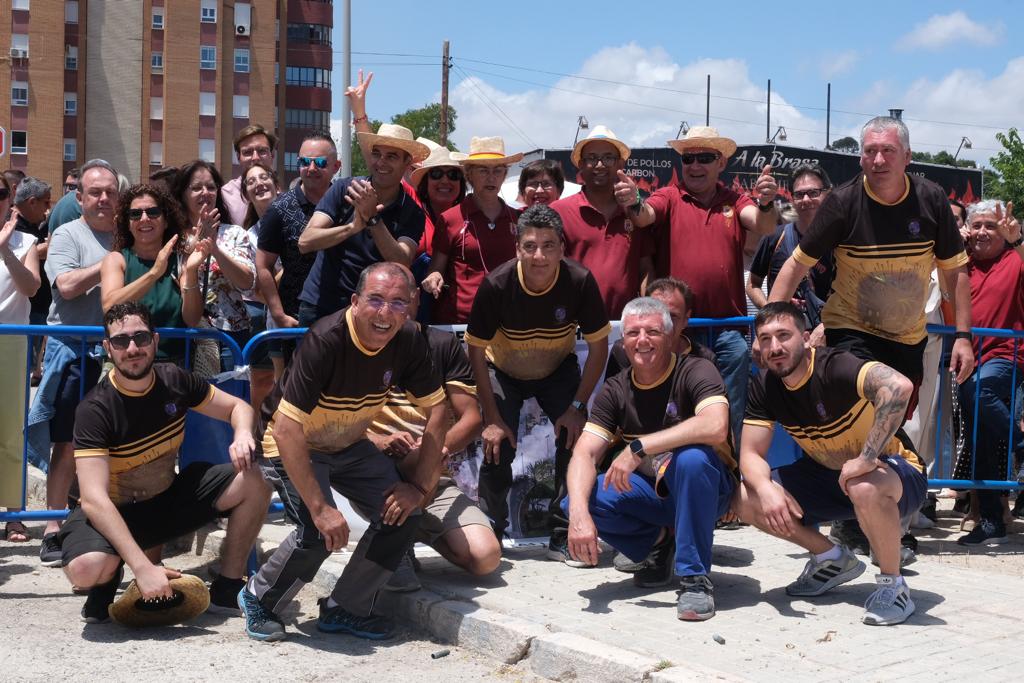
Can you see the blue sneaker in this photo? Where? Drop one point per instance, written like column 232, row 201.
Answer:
column 260, row 623
column 339, row 620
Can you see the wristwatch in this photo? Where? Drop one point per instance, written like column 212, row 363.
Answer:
column 579, row 405
column 766, row 207
column 370, row 222
column 1019, row 241
column 637, row 448
column 964, row 335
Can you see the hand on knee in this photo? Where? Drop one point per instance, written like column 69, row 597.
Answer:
column 85, row 571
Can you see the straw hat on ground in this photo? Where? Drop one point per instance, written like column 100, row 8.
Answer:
column 599, row 134
column 393, row 135
column 704, row 137
column 489, row 152
column 191, row 598
column 440, row 156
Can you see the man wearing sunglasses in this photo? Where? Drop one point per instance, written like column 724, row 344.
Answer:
column 361, row 221
column 314, row 437
column 701, row 231
column 253, row 143
column 130, row 500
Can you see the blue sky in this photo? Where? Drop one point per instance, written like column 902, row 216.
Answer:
column 955, row 68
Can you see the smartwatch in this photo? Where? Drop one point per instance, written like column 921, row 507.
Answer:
column 964, row 335
column 579, row 405
column 637, row 448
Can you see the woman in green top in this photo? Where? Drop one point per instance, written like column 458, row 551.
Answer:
column 144, row 264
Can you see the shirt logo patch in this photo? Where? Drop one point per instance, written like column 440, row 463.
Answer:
column 914, row 228
column 627, row 225
column 727, row 211
column 672, row 410
column 387, row 378
column 822, row 413
column 560, row 314
column 171, row 409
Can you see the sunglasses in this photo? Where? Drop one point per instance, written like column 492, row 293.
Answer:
column 453, row 174
column 4, row 193
column 700, row 157
column 152, row 212
column 320, row 162
column 121, row 341
column 808, row 194
column 396, row 305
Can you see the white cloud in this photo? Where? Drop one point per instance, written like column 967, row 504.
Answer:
column 837, row 64
column 942, row 31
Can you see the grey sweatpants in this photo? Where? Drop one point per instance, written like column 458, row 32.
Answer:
column 362, row 474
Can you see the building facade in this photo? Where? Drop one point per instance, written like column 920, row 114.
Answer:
column 153, row 83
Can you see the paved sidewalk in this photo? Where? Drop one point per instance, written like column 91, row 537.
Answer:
column 593, row 624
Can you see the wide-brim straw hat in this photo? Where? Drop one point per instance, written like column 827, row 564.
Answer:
column 489, row 152
column 393, row 135
column 191, row 598
column 704, row 137
column 441, row 156
column 599, row 134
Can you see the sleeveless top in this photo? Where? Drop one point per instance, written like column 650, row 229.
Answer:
column 163, row 300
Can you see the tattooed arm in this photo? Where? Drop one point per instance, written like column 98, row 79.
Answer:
column 889, row 392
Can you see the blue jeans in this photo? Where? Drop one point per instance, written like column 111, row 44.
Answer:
column 733, row 357
column 993, row 383
column 700, row 489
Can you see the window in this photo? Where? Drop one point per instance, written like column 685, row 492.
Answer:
column 156, row 108
column 208, row 12
column 70, row 104
column 20, row 4
column 307, row 118
column 19, row 92
column 308, row 76
column 71, row 12
column 240, row 107
column 207, row 150
column 19, row 41
column 277, row 73
column 158, row 18
column 70, row 149
column 291, row 161
column 207, row 104
column 71, row 58
column 19, row 142
column 309, row 33
column 242, row 61
column 207, row 57
column 156, row 153
column 156, row 62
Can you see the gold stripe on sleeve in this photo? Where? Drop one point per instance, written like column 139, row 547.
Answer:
column 599, row 431
column 599, row 335
column 862, row 375
column 286, row 408
column 710, row 400
column 91, row 453
column 803, row 259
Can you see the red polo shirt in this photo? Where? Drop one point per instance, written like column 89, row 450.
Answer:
column 611, row 250
column 702, row 246
column 997, row 301
column 474, row 249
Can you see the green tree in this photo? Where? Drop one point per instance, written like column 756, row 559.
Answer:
column 424, row 122
column 1009, row 164
column 847, row 144
column 359, row 166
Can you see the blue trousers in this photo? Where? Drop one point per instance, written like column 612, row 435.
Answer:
column 733, row 356
column 700, row 489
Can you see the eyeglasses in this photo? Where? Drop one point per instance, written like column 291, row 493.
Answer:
column 151, row 211
column 252, row 180
column 808, row 194
column 453, row 174
column 606, row 159
column 700, row 157
column 4, row 193
column 320, row 162
column 250, row 152
column 377, row 304
column 121, row 341
column 540, row 184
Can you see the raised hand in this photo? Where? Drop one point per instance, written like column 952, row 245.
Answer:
column 164, row 256
column 363, row 198
column 625, row 189
column 8, row 229
column 357, row 95
column 1007, row 226
column 766, row 188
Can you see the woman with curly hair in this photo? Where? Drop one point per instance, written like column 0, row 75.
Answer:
column 145, row 264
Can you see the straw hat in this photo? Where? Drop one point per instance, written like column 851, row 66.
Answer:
column 393, row 135
column 191, row 598
column 441, row 156
column 704, row 137
column 599, row 134
column 489, row 152
column 431, row 145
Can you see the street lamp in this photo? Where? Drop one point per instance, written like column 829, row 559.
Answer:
column 581, row 124
column 780, row 134
column 684, row 128
column 965, row 143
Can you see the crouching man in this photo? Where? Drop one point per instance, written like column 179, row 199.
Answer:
column 127, row 433
column 843, row 412
column 662, row 494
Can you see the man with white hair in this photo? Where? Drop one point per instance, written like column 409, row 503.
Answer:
column 664, row 491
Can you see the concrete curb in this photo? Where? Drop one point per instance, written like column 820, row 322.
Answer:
column 559, row 656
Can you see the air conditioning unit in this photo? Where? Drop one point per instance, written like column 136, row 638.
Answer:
column 18, row 53
column 242, row 30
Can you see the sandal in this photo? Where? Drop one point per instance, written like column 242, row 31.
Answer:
column 16, row 532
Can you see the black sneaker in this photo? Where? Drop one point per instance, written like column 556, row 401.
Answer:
column 626, row 565
column 224, row 595
column 339, row 620
column 985, row 533
column 848, row 533
column 50, row 554
column 99, row 598
column 260, row 623
column 658, row 569
column 908, row 540
column 929, row 509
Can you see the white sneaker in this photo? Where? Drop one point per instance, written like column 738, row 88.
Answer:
column 890, row 603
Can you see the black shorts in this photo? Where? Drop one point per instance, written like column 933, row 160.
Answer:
column 906, row 359
column 258, row 319
column 816, row 488
column 69, row 394
column 188, row 504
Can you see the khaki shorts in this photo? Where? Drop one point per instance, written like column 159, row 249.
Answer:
column 451, row 509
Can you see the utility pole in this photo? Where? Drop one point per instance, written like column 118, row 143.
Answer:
column 445, row 66
column 346, row 115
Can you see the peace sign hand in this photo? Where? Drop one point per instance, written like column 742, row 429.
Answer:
column 1007, row 226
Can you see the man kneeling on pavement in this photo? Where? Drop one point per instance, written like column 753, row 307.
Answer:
column 129, row 499
column 843, row 412
column 662, row 494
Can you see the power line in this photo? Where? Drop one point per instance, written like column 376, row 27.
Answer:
column 496, row 109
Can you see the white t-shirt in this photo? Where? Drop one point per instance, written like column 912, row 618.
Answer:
column 14, row 306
